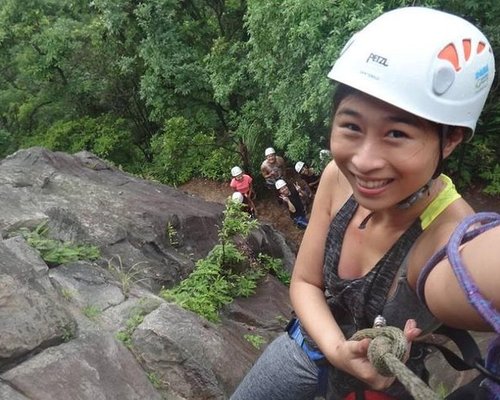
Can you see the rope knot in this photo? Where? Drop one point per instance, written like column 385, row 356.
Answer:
column 388, row 343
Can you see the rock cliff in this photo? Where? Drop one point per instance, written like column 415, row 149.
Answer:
column 59, row 324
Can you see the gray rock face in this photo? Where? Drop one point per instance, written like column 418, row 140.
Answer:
column 93, row 366
column 30, row 316
column 59, row 325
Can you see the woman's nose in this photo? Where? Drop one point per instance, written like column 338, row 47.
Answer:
column 368, row 156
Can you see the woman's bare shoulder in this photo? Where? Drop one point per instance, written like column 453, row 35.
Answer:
column 436, row 236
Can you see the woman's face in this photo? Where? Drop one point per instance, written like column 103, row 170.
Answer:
column 386, row 153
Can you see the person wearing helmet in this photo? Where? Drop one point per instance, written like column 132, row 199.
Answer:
column 272, row 168
column 308, row 175
column 291, row 196
column 241, row 182
column 245, row 203
column 406, row 98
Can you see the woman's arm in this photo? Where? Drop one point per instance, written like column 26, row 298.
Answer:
column 444, row 295
column 306, row 287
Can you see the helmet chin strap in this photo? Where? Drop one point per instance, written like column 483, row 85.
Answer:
column 404, row 204
column 413, row 198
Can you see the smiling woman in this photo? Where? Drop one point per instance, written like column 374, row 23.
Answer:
column 378, row 146
column 404, row 102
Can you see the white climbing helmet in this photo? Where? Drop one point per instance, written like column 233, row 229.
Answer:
column 269, row 151
column 237, row 197
column 325, row 154
column 298, row 166
column 235, row 171
column 427, row 62
column 279, row 184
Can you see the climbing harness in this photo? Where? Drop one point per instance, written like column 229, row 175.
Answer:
column 487, row 386
column 293, row 329
column 295, row 333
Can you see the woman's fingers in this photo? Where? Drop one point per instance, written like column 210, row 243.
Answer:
column 356, row 363
column 411, row 331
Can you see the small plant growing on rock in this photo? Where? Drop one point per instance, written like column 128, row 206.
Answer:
column 55, row 252
column 255, row 340
column 155, row 381
column 67, row 294
column 67, row 332
column 127, row 277
column 275, row 267
column 91, row 312
column 280, row 319
column 135, row 319
column 125, row 335
column 172, row 235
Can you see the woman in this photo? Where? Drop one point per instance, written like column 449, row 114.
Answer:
column 243, row 183
column 308, row 175
column 291, row 196
column 407, row 97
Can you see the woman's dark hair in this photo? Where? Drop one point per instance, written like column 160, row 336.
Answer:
column 341, row 92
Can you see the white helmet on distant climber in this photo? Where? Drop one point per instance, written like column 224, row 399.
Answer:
column 430, row 63
column 237, row 196
column 269, row 151
column 235, row 171
column 279, row 184
column 298, row 166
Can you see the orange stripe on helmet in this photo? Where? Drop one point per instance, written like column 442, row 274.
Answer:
column 467, row 48
column 449, row 53
column 480, row 47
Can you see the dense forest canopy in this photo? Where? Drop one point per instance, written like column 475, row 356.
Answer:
column 175, row 89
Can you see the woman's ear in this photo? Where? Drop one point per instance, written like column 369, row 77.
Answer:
column 454, row 137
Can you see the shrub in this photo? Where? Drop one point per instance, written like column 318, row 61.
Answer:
column 55, row 252
column 214, row 283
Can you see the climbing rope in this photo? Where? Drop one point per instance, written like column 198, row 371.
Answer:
column 386, row 352
column 461, row 235
column 480, row 222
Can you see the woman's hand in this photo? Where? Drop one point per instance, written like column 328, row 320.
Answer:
column 351, row 357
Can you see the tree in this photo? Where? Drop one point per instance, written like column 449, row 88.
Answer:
column 64, row 64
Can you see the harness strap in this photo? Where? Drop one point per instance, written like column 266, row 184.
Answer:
column 293, row 329
column 295, row 333
column 464, row 342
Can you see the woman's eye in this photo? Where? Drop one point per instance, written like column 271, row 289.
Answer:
column 397, row 134
column 351, row 127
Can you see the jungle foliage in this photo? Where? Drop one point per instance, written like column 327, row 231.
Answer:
column 173, row 89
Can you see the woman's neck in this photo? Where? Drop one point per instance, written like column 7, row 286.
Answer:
column 397, row 218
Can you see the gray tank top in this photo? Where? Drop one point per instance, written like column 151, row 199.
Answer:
column 356, row 302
